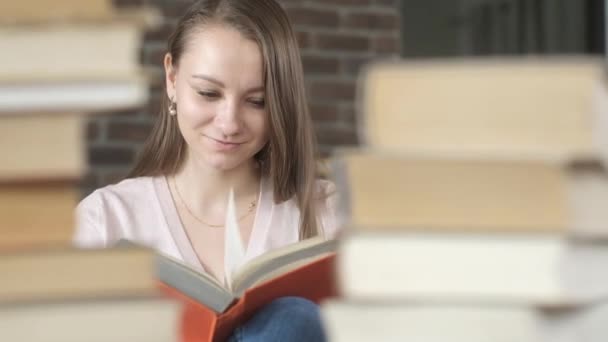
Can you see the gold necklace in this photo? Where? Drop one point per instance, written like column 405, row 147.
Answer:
column 249, row 210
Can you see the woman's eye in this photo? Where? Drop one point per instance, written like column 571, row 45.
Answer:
column 209, row 94
column 257, row 102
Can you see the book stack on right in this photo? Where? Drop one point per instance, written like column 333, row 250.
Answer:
column 476, row 208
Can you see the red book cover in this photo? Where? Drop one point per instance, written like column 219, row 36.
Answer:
column 315, row 281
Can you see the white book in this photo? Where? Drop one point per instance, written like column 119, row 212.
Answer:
column 69, row 51
column 541, row 269
column 352, row 322
column 85, row 96
column 128, row 320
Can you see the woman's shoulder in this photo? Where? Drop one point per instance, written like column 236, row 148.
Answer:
column 128, row 191
column 126, row 196
column 114, row 211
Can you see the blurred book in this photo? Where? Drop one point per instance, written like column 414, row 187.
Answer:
column 125, row 319
column 37, row 215
column 44, row 161
column 395, row 322
column 42, row 147
column 525, row 269
column 538, row 106
column 31, row 11
column 63, row 273
column 93, row 95
column 391, row 191
column 64, row 60
column 476, row 208
column 72, row 52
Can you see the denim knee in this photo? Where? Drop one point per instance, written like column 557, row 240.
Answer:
column 293, row 306
column 284, row 319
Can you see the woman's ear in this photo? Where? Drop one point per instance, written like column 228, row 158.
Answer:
column 170, row 75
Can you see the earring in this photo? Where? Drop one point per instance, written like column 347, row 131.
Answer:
column 172, row 108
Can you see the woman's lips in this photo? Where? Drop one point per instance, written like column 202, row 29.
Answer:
column 223, row 145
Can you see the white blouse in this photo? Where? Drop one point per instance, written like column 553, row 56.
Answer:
column 142, row 210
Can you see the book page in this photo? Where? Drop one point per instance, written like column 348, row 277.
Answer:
column 234, row 251
column 280, row 261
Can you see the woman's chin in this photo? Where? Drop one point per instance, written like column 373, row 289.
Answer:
column 223, row 163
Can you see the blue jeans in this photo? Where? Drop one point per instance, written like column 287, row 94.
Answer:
column 291, row 319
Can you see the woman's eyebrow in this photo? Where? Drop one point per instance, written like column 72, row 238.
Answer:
column 209, row 78
column 221, row 84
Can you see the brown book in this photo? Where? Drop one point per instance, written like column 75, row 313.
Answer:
column 41, row 147
column 470, row 193
column 37, row 215
column 54, row 10
column 505, row 105
column 73, row 274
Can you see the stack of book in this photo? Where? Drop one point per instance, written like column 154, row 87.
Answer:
column 61, row 61
column 476, row 208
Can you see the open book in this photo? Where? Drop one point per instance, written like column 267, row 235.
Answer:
column 207, row 290
column 212, row 309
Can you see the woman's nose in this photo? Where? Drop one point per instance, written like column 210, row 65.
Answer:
column 228, row 119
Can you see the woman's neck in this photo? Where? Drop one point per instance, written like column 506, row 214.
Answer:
column 205, row 189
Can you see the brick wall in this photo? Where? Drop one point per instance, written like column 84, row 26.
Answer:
column 336, row 38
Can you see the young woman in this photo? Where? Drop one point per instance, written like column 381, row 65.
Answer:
column 234, row 117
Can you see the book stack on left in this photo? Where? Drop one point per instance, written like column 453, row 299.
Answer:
column 61, row 61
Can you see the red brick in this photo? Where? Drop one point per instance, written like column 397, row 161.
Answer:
column 333, row 90
column 388, row 3
column 313, row 17
column 324, row 113
column 128, row 131
column 172, row 8
column 304, row 39
column 154, row 103
column 386, row 44
column 335, row 136
column 342, row 42
column 93, row 130
column 320, row 65
column 106, row 155
column 154, row 56
column 113, row 176
column 348, row 114
column 353, row 65
column 371, row 21
column 89, row 183
column 343, row 2
column 161, row 33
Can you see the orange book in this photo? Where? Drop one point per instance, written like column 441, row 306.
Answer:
column 211, row 312
column 37, row 214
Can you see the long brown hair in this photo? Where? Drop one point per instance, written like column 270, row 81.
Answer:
column 289, row 157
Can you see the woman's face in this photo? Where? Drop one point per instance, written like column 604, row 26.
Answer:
column 218, row 87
